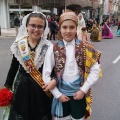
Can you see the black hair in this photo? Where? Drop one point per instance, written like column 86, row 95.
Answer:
column 39, row 15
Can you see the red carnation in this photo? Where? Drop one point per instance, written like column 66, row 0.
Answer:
column 5, row 97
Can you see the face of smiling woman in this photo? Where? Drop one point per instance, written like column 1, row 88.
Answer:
column 35, row 28
column 68, row 30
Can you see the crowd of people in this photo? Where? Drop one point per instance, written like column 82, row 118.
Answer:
column 53, row 81
column 102, row 30
column 89, row 30
column 99, row 31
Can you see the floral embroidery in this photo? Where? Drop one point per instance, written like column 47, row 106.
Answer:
column 60, row 57
column 39, row 56
column 60, row 43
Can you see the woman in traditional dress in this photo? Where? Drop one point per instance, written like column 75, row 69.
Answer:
column 118, row 30
column 81, row 23
column 98, row 27
column 29, row 102
column 95, row 32
column 84, row 36
column 106, row 31
column 89, row 24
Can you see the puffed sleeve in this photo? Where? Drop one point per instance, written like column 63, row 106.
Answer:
column 49, row 63
column 12, row 72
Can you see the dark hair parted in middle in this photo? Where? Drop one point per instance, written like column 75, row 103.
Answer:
column 39, row 15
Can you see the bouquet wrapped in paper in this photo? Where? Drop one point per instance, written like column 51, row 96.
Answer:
column 6, row 96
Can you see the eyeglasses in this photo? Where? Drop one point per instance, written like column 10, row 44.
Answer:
column 34, row 26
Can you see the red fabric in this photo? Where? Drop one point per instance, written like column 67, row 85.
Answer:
column 87, row 114
column 119, row 23
column 5, row 97
column 49, row 20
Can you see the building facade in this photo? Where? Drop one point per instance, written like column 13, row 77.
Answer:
column 8, row 9
column 89, row 8
column 3, row 14
column 111, row 7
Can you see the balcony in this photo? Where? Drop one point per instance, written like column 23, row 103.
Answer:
column 52, row 3
column 84, row 3
column 42, row 3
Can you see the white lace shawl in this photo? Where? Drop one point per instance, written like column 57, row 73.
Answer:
column 40, row 53
column 39, row 58
column 23, row 30
column 81, row 22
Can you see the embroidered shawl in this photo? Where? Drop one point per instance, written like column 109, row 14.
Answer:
column 85, row 55
column 40, row 52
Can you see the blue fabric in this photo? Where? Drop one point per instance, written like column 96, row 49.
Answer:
column 26, row 57
column 68, row 89
column 118, row 33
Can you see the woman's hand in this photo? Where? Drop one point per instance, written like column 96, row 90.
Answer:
column 50, row 85
column 79, row 95
column 63, row 98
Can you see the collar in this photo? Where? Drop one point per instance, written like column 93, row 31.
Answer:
column 72, row 42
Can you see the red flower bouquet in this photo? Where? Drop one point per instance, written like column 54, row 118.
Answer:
column 5, row 97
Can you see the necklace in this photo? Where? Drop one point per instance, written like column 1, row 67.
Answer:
column 32, row 50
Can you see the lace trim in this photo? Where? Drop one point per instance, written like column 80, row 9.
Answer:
column 40, row 52
column 15, row 116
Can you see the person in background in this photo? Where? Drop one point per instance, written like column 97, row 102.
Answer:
column 89, row 25
column 84, row 36
column 116, row 22
column 29, row 102
column 95, row 32
column 21, row 18
column 118, row 29
column 16, row 22
column 81, row 23
column 53, row 28
column 76, row 64
column 49, row 21
column 99, row 29
column 106, row 31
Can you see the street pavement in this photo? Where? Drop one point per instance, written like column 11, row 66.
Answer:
column 106, row 95
column 6, row 33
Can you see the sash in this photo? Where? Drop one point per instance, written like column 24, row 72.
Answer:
column 68, row 89
column 29, row 64
column 108, row 27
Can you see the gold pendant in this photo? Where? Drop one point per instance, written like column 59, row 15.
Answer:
column 32, row 54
